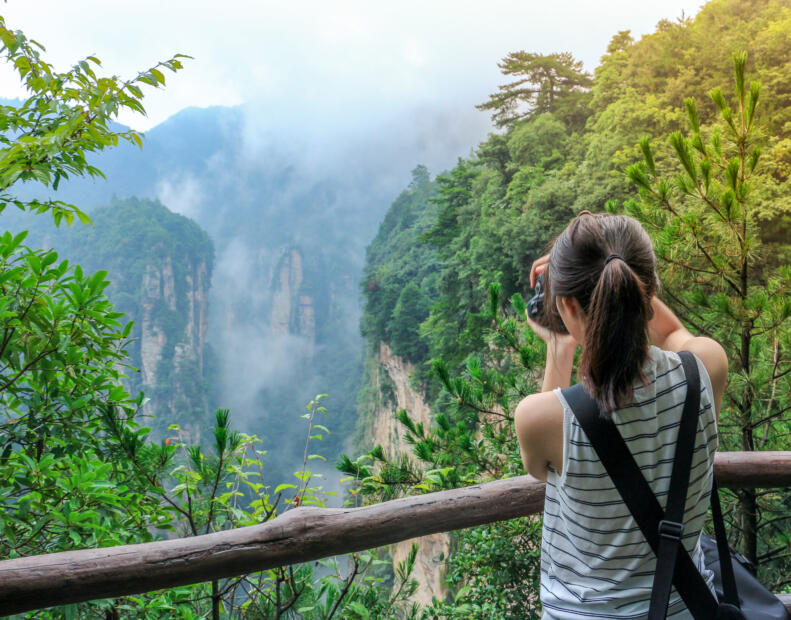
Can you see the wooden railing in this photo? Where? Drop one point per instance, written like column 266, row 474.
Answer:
column 305, row 534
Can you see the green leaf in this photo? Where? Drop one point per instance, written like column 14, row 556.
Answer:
column 83, row 217
column 681, row 146
column 359, row 609
column 648, row 156
column 739, row 63
column 692, row 114
column 752, row 102
column 158, row 75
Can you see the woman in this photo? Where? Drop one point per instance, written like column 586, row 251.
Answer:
column 600, row 279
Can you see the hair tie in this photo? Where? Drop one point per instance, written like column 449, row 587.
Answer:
column 612, row 257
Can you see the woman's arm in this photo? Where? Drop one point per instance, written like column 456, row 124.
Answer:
column 667, row 332
column 539, row 428
column 538, row 418
column 560, row 347
column 560, row 356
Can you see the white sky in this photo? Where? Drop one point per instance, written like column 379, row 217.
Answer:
column 325, row 58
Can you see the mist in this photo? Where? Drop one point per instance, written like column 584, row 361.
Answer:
column 290, row 133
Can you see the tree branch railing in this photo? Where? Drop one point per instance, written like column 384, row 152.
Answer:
column 302, row 535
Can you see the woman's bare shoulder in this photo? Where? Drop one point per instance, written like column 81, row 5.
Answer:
column 714, row 359
column 539, row 429
column 538, row 408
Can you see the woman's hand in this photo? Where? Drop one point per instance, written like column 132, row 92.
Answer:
column 560, row 356
column 540, row 265
column 561, row 342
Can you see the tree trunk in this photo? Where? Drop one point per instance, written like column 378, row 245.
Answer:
column 747, row 500
column 215, row 601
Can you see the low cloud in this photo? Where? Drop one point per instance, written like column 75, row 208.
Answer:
column 182, row 194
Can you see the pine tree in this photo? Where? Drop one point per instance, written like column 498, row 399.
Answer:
column 546, row 83
column 726, row 282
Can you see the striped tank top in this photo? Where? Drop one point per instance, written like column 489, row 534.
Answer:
column 595, row 562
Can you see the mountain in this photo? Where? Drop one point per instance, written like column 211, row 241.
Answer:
column 160, row 265
column 289, row 209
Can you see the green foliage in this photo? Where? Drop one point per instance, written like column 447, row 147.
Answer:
column 726, row 179
column 494, row 572
column 67, row 116
column 79, row 470
column 725, row 282
column 397, row 262
column 545, row 83
column 161, row 266
column 224, row 486
column 494, row 213
column 494, row 569
column 489, row 230
column 62, row 353
column 399, row 283
column 63, row 346
column 76, row 467
column 410, row 310
column 473, row 438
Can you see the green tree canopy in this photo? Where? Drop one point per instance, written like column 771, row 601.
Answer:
column 545, row 83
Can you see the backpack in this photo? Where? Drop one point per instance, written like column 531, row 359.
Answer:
column 739, row 594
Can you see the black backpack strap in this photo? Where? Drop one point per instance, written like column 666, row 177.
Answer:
column 638, row 497
column 671, row 528
column 730, row 592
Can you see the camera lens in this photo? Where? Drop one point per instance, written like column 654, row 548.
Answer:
column 535, row 307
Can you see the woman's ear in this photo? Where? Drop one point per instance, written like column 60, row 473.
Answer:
column 574, row 308
column 573, row 316
column 569, row 307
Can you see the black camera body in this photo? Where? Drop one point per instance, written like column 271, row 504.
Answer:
column 535, row 307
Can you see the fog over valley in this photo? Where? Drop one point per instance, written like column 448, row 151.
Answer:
column 290, row 210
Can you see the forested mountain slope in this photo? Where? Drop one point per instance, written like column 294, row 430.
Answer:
column 496, row 212
column 447, row 358
column 160, row 265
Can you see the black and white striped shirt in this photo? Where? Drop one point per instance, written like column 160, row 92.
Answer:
column 595, row 562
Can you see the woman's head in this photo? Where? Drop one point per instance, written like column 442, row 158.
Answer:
column 606, row 262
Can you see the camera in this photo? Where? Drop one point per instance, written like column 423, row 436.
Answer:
column 535, row 307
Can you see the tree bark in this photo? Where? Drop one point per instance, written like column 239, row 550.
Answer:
column 215, row 600
column 747, row 499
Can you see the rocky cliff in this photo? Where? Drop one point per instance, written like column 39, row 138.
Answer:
column 275, row 325
column 292, row 309
column 173, row 319
column 395, row 393
column 159, row 265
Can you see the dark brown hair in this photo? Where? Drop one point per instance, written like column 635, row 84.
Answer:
column 615, row 293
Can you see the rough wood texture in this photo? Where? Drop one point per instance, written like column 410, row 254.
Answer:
column 741, row 470
column 301, row 535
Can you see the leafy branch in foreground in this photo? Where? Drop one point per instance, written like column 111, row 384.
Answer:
column 76, row 467
column 66, row 116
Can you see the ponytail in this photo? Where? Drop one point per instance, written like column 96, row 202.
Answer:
column 614, row 291
column 616, row 337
